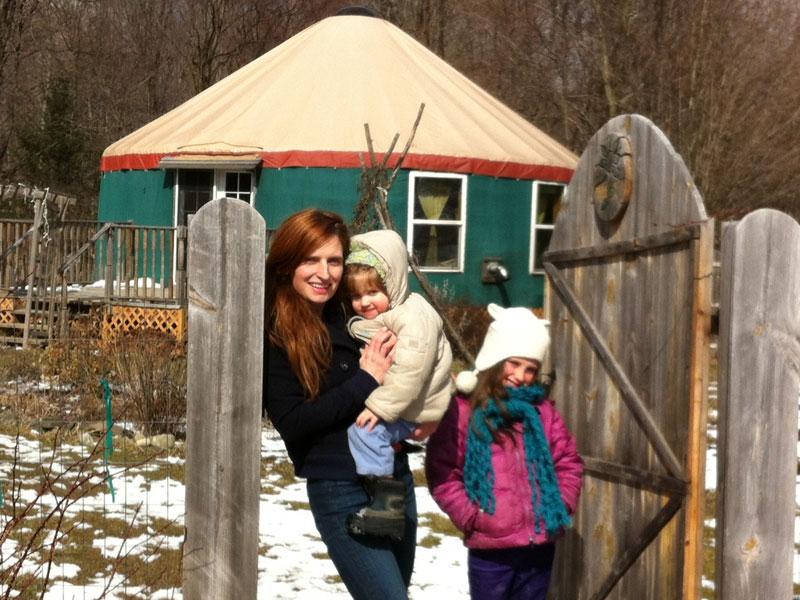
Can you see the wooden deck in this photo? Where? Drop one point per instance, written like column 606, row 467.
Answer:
column 52, row 271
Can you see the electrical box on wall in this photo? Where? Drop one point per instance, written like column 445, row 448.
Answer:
column 493, row 270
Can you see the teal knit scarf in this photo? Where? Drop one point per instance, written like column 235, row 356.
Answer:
column 521, row 405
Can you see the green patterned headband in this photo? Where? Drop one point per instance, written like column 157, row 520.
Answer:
column 361, row 255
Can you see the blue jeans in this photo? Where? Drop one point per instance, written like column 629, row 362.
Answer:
column 372, row 450
column 370, row 567
column 510, row 573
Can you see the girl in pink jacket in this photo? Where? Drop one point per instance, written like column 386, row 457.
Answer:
column 503, row 465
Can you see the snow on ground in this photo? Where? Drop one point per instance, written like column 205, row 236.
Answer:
column 292, row 568
column 294, row 563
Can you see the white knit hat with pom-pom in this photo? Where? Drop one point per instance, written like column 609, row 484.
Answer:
column 466, row 381
column 514, row 331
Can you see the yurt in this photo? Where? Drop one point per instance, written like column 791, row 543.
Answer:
column 476, row 198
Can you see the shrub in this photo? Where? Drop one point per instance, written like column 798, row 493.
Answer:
column 471, row 322
column 20, row 365
column 150, row 370
column 78, row 362
column 147, row 370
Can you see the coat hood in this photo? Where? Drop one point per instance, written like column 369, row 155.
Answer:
column 390, row 251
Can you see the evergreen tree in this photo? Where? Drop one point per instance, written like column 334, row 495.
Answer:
column 53, row 149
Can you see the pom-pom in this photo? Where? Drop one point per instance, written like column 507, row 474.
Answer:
column 466, row 381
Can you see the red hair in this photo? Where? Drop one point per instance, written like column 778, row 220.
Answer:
column 291, row 321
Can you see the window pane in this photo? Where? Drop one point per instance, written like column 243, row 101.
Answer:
column 542, row 242
column 437, row 246
column 237, row 185
column 437, row 198
column 231, row 184
column 548, row 203
column 194, row 190
column 196, row 178
column 244, row 182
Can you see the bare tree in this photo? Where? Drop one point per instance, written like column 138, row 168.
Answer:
column 720, row 77
column 16, row 17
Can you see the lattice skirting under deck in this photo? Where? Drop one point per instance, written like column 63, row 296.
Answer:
column 7, row 308
column 135, row 318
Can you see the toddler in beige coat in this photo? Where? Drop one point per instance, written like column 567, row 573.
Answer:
column 416, row 389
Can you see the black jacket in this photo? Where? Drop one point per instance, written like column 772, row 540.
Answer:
column 315, row 432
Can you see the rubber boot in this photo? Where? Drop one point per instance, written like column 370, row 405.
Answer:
column 385, row 515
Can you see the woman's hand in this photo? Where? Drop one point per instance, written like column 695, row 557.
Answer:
column 378, row 355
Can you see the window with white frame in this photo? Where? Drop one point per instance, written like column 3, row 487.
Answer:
column 545, row 204
column 197, row 187
column 235, row 184
column 436, row 219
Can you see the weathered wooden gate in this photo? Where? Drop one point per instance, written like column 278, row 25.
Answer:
column 630, row 266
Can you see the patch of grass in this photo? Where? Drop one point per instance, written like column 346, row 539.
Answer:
column 320, row 555
column 156, row 569
column 112, row 526
column 430, row 541
column 419, row 478
column 333, row 579
column 165, row 471
column 439, row 524
column 295, row 505
column 29, row 585
column 90, row 562
column 269, row 489
column 279, row 472
column 31, row 532
column 166, row 527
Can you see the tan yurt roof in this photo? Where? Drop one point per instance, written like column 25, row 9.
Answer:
column 305, row 103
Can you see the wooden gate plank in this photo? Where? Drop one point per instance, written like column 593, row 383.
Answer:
column 703, row 251
column 617, row 373
column 635, row 550
column 636, row 245
column 660, row 484
column 633, row 405
column 759, row 362
column 226, row 314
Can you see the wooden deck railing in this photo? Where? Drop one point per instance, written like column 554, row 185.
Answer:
column 133, row 262
column 16, row 237
column 126, row 261
column 53, row 266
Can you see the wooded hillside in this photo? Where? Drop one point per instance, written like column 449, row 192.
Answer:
column 720, row 77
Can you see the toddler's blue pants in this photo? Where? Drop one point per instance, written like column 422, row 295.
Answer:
column 372, row 450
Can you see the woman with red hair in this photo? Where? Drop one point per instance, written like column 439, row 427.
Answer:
column 316, row 382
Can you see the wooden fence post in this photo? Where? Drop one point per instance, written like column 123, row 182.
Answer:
column 226, row 322
column 108, row 272
column 759, row 372
column 180, row 264
column 39, row 205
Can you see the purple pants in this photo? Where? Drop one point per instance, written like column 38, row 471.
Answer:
column 510, row 573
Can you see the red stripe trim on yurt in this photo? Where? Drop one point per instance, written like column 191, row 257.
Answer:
column 340, row 159
column 130, row 162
